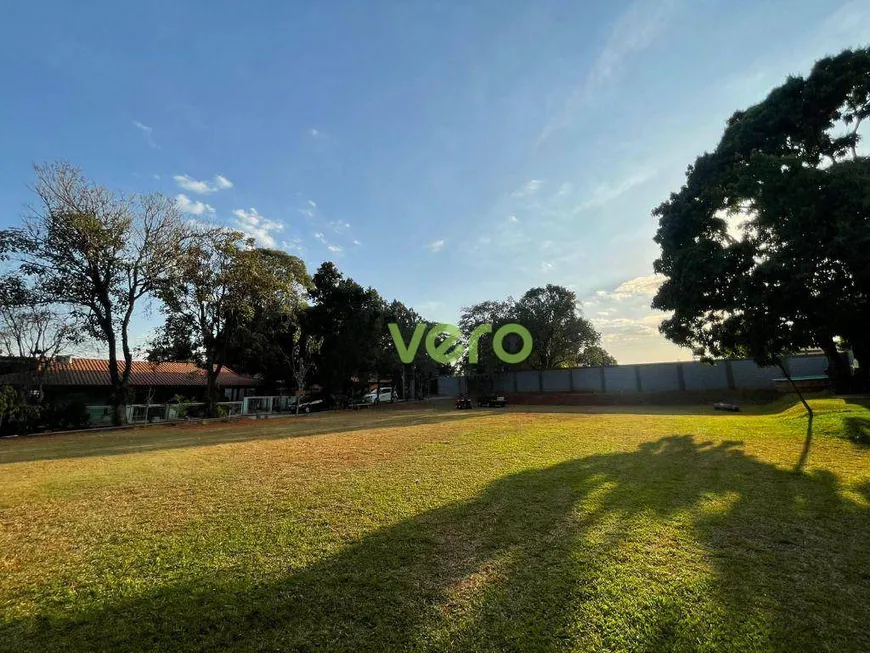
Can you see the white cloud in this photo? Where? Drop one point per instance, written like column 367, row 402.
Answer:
column 313, row 205
column 314, row 133
column 647, row 285
column 637, row 287
column 222, row 182
column 513, row 219
column 546, row 266
column 186, row 205
column 357, row 243
column 157, row 177
column 528, row 189
column 627, row 329
column 148, row 132
column 202, row 187
column 436, row 246
column 256, row 226
column 320, row 237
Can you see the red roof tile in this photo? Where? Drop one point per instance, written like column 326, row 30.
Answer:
column 95, row 372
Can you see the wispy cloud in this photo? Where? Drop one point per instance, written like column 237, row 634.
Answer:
column 252, row 224
column 605, row 193
column 294, row 245
column 340, row 226
column 315, row 133
column 312, row 204
column 148, row 133
column 636, row 29
column 528, row 189
column 188, row 183
column 193, row 207
column 222, row 182
column 429, row 307
column 320, row 237
column 435, row 246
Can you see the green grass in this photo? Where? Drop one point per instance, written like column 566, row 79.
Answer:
column 430, row 529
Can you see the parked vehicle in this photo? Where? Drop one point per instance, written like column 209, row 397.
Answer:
column 382, row 396
column 492, row 401
column 463, row 402
column 307, row 404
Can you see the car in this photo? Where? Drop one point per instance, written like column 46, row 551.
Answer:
column 380, row 396
column 492, row 400
column 307, row 404
column 463, row 402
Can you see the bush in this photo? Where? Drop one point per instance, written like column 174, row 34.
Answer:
column 23, row 419
column 69, row 415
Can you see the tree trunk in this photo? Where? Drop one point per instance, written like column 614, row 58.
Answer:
column 861, row 351
column 838, row 370
column 118, row 391
column 210, row 391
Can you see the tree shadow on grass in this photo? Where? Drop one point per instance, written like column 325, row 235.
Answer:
column 679, row 546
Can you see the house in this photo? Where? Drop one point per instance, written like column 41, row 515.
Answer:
column 87, row 380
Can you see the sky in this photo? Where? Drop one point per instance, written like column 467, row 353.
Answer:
column 445, row 153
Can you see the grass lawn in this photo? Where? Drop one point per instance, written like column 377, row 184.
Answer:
column 410, row 528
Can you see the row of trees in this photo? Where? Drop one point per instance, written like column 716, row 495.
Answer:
column 86, row 258
column 794, row 275
column 562, row 337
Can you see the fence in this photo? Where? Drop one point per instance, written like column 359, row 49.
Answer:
column 101, row 415
column 647, row 377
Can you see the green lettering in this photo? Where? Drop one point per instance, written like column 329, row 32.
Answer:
column 406, row 354
column 498, row 345
column 441, row 353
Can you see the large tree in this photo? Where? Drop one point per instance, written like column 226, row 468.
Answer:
column 422, row 367
column 595, row 356
column 268, row 343
column 552, row 315
column 496, row 313
column 793, row 274
column 99, row 253
column 559, row 331
column 222, row 284
column 350, row 322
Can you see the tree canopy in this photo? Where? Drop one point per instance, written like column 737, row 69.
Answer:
column 227, row 292
column 560, row 333
column 764, row 247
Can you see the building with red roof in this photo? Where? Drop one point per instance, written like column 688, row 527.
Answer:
column 88, row 379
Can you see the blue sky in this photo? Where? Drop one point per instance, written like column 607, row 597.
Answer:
column 442, row 152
